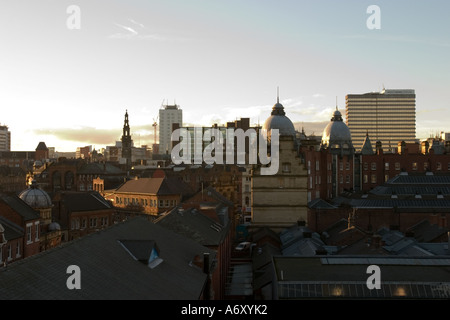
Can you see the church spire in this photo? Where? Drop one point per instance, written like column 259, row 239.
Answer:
column 126, row 141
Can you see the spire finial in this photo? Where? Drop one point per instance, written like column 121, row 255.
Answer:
column 278, row 94
column 336, row 104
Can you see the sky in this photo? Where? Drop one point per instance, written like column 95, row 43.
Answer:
column 69, row 70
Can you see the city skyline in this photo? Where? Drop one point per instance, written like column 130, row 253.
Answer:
column 218, row 60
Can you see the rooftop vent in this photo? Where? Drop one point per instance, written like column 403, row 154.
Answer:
column 144, row 251
column 216, row 227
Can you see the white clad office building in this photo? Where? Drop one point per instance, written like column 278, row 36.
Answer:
column 388, row 116
column 168, row 115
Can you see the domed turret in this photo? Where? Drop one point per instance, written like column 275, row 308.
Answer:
column 36, row 197
column 54, row 226
column 278, row 120
column 336, row 134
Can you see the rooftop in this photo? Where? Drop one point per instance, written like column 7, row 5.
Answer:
column 108, row 271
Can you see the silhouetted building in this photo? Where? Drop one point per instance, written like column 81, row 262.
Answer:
column 126, row 142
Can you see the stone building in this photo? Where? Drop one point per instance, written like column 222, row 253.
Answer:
column 280, row 200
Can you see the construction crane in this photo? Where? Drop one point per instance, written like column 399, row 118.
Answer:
column 155, row 124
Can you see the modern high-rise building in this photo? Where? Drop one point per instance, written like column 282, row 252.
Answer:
column 5, row 139
column 168, row 115
column 388, row 116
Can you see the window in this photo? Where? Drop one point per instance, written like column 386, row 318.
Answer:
column 347, row 166
column 317, row 165
column 386, row 166
column 438, row 166
column 414, row 165
column 104, row 221
column 9, row 252
column 341, row 166
column 29, row 233
column 448, row 166
column 83, row 223
column 18, row 249
column 397, row 166
column 347, row 179
column 425, row 166
column 167, row 203
column 341, row 179
column 373, row 178
column 373, row 166
column 366, row 179
column 36, row 228
column 93, row 222
column 161, row 203
column 386, row 177
column 366, row 166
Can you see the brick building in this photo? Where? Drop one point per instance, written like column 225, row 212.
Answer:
column 151, row 196
column 21, row 229
column 81, row 213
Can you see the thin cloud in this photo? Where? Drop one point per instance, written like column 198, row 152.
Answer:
column 139, row 31
column 401, row 39
column 142, row 134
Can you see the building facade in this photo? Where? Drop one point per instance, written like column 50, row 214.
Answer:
column 280, row 200
column 168, row 115
column 388, row 116
column 5, row 138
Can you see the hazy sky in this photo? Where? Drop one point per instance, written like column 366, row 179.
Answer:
column 218, row 60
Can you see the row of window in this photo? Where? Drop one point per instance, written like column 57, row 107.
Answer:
column 146, row 202
column 9, row 255
column 397, row 166
column 81, row 223
column 318, row 180
column 84, row 187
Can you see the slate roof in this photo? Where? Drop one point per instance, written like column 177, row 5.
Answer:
column 320, row 204
column 19, row 206
column 155, row 186
column 99, row 169
column 410, row 184
column 12, row 230
column 346, row 277
column 108, row 271
column 424, row 231
column 194, row 225
column 84, row 201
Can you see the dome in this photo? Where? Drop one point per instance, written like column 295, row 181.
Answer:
column 54, row 226
column 278, row 120
column 36, row 197
column 336, row 133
